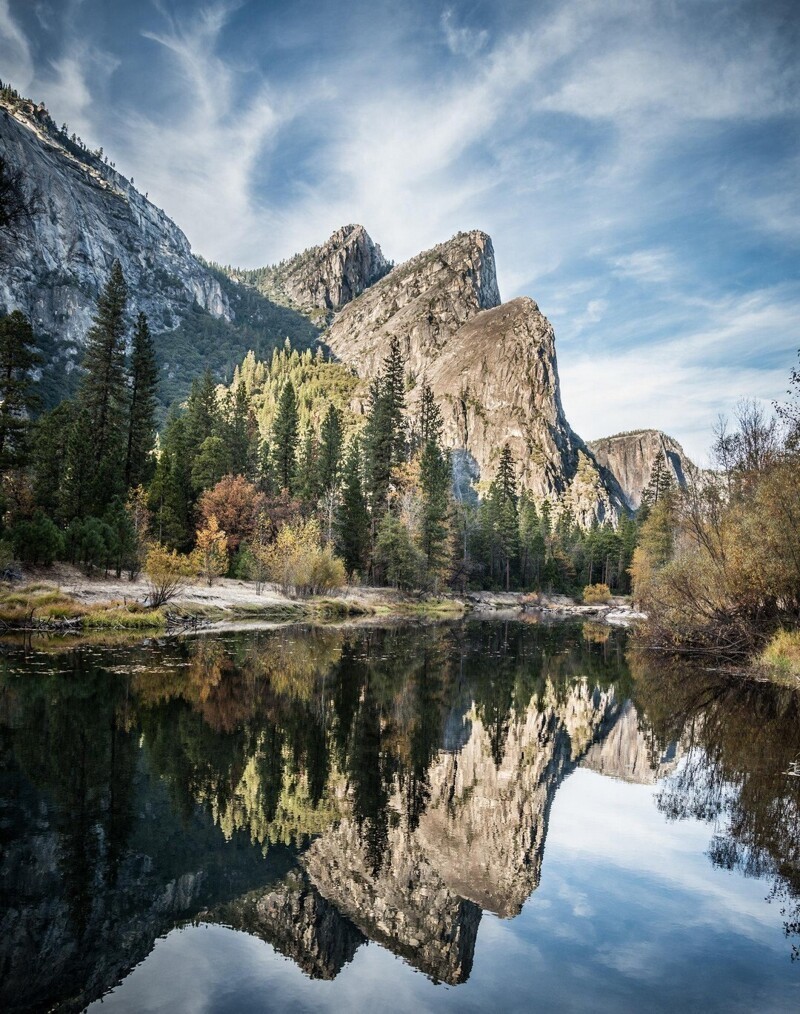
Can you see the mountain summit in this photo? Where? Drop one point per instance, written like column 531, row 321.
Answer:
column 491, row 366
column 323, row 278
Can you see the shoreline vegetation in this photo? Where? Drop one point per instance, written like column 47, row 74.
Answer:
column 63, row 600
column 717, row 565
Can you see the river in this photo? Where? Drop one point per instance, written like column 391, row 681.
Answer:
column 481, row 815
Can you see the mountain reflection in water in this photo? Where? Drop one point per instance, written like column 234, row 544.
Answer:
column 322, row 788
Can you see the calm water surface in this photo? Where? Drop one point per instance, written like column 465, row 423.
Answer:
column 487, row 815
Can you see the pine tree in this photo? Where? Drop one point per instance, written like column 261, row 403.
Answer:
column 659, row 486
column 237, row 426
column 49, row 455
column 18, row 357
column 202, row 412
column 504, row 514
column 330, row 453
column 171, row 496
column 103, row 393
column 139, row 462
column 430, row 418
column 434, row 527
column 385, row 432
column 352, row 522
column 308, row 482
column 532, row 543
column 284, row 439
column 79, row 480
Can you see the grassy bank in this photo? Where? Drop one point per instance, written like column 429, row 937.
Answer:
column 780, row 660
column 44, row 606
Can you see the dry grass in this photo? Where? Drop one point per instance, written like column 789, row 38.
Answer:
column 45, row 604
column 781, row 657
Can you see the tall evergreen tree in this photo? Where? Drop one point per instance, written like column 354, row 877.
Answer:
column 434, row 522
column 18, row 357
column 285, row 438
column 658, row 487
column 171, row 497
column 330, row 454
column 308, row 482
column 139, row 462
column 238, row 428
column 49, row 456
column 78, row 493
column 352, row 522
column 430, row 418
column 103, row 393
column 385, row 432
column 503, row 503
column 202, row 412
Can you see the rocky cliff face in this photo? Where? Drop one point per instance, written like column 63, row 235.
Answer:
column 89, row 215
column 326, row 277
column 492, row 368
column 479, row 844
column 298, row 922
column 625, row 752
column 423, row 302
column 630, row 458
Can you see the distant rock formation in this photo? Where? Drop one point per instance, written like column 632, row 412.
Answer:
column 630, row 458
column 90, row 215
column 626, row 753
column 423, row 302
column 491, row 367
column 325, row 277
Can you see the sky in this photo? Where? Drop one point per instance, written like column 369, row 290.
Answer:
column 636, row 162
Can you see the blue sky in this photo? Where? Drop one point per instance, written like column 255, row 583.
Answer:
column 636, row 162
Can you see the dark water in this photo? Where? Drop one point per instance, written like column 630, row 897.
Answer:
column 478, row 816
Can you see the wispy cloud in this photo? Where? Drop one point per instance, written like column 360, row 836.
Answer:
column 15, row 52
column 635, row 162
column 461, row 40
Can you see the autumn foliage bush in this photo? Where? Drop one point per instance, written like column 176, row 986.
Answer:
column 166, row 572
column 596, row 594
column 298, row 562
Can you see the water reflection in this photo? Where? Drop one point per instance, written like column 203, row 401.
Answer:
column 318, row 788
column 741, row 740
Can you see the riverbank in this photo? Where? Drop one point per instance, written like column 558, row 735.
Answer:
column 63, row 598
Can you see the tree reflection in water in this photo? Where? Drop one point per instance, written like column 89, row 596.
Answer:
column 318, row 787
column 741, row 739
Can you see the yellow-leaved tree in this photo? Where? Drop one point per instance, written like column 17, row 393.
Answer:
column 210, row 556
column 298, row 562
column 166, row 573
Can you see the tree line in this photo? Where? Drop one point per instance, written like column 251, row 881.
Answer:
column 274, row 477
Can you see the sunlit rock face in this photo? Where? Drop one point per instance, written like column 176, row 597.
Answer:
column 325, row 277
column 90, row 215
column 423, row 302
column 626, row 752
column 405, row 905
column 492, row 368
column 486, row 824
column 630, row 457
column 479, row 844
